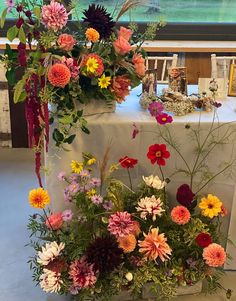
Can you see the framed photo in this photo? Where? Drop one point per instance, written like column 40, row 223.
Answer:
column 232, row 80
column 205, row 85
column 149, row 82
column 177, row 78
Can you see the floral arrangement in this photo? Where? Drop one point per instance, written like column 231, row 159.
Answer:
column 119, row 239
column 65, row 68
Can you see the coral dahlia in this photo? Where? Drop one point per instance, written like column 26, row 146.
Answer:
column 180, row 215
column 214, row 255
column 59, row 75
column 127, row 243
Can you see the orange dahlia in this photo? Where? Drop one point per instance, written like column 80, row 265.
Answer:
column 127, row 243
column 39, row 198
column 59, row 75
column 92, row 35
column 93, row 65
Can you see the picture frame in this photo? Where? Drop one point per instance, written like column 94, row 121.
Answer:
column 149, row 82
column 204, row 85
column 232, row 80
column 177, row 79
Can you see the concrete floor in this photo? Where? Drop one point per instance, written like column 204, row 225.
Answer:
column 16, row 179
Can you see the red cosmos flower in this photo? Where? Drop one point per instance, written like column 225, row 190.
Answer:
column 164, row 118
column 203, row 240
column 157, row 153
column 128, row 162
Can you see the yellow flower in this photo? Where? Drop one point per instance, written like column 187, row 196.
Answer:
column 76, row 166
column 211, row 206
column 91, row 192
column 91, row 161
column 92, row 35
column 92, row 65
column 39, row 198
column 104, row 81
column 114, row 167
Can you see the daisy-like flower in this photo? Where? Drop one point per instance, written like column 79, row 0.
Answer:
column 82, row 274
column 104, row 81
column 73, row 188
column 92, row 35
column 164, row 118
column 155, row 108
column 107, row 205
column 157, row 153
column 95, row 182
column 91, row 193
column 76, row 166
column 121, row 224
column 67, row 215
column 214, row 255
column 39, row 198
column 54, row 16
column 92, row 161
column 84, row 174
column 127, row 243
column 150, row 206
column 50, row 281
column 155, row 246
column 93, row 65
column 154, row 182
column 10, row 4
column 211, row 206
column 97, row 199
column 49, row 252
column 180, row 215
column 62, row 176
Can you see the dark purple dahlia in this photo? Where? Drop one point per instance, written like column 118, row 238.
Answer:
column 185, row 196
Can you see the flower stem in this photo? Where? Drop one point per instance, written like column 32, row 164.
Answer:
column 130, row 182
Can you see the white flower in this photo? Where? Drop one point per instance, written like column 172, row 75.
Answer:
column 50, row 281
column 49, row 252
column 154, row 181
column 129, row 276
column 150, row 206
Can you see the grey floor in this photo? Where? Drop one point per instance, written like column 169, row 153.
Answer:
column 16, row 179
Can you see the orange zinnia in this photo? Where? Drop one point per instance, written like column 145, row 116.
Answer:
column 39, row 198
column 59, row 75
column 155, row 245
column 92, row 35
column 127, row 243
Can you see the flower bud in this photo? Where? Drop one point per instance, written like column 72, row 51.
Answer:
column 19, row 8
column 28, row 13
column 19, row 22
column 129, row 276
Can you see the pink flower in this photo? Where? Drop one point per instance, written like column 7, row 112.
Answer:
column 54, row 221
column 67, row 215
column 224, row 211
column 66, row 41
column 164, row 118
column 72, row 65
column 10, row 4
column 180, row 215
column 139, row 64
column 214, row 255
column 155, row 108
column 61, row 176
column 122, row 46
column 121, row 224
column 82, row 274
column 120, row 87
column 125, row 33
column 54, row 16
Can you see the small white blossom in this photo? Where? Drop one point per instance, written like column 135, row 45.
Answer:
column 49, row 252
column 150, row 206
column 154, row 181
column 50, row 281
column 129, row 276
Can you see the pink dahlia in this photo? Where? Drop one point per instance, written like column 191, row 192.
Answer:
column 54, row 16
column 121, row 224
column 180, row 215
column 73, row 66
column 82, row 274
column 214, row 255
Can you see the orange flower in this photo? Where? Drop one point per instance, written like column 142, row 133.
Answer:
column 122, row 46
column 125, row 33
column 55, row 221
column 120, row 86
column 127, row 243
column 224, row 211
column 154, row 245
column 139, row 64
column 66, row 41
column 136, row 230
column 39, row 198
column 214, row 255
column 92, row 35
column 59, row 75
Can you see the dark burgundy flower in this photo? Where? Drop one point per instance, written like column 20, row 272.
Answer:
column 217, row 104
column 58, row 265
column 22, row 59
column 19, row 22
column 185, row 196
column 36, row 34
column 21, row 46
column 128, row 162
column 19, row 8
column 135, row 131
column 157, row 153
column 203, row 240
column 28, row 13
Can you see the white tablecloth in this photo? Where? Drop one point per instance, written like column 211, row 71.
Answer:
column 116, row 128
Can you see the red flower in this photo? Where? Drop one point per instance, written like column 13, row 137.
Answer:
column 157, row 153
column 164, row 118
column 203, row 240
column 128, row 162
column 185, row 195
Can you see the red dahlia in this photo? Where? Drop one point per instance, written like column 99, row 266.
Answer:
column 203, row 240
column 157, row 153
column 185, row 195
column 128, row 162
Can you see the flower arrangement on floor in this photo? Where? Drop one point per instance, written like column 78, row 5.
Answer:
column 119, row 239
column 66, row 68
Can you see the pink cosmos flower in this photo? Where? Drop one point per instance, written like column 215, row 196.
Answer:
column 121, row 224
column 61, row 176
column 82, row 274
column 97, row 199
column 67, row 215
column 122, row 46
column 125, row 33
column 155, row 108
column 10, row 4
column 214, row 255
column 54, row 221
column 164, row 118
column 107, row 205
column 180, row 215
column 54, row 16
